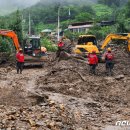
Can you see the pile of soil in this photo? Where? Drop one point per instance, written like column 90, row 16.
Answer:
column 109, row 95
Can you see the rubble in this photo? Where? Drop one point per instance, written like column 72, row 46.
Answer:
column 63, row 95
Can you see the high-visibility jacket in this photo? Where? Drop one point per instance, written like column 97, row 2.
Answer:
column 20, row 57
column 60, row 44
column 109, row 56
column 92, row 59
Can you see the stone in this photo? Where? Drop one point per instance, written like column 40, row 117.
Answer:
column 119, row 77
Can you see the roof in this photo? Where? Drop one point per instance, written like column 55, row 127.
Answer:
column 82, row 23
column 46, row 30
column 34, row 37
column 82, row 26
column 86, row 36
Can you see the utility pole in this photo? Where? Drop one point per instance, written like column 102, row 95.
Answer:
column 58, row 31
column 29, row 25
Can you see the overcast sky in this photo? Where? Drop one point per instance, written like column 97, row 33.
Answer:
column 7, row 3
column 7, row 6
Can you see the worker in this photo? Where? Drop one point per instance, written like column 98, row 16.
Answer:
column 20, row 61
column 60, row 48
column 109, row 57
column 43, row 51
column 93, row 62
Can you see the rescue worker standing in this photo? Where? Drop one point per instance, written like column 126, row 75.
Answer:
column 93, row 62
column 20, row 61
column 60, row 48
column 109, row 57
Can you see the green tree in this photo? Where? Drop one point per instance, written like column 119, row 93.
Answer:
column 111, row 2
column 82, row 17
column 16, row 25
column 127, row 9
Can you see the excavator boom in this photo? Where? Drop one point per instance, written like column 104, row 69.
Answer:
column 11, row 34
column 125, row 36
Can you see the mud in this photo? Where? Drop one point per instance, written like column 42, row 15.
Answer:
column 66, row 91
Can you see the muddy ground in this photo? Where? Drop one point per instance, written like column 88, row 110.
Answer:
column 64, row 96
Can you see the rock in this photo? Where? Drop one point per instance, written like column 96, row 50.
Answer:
column 51, row 125
column 79, row 128
column 60, row 124
column 33, row 128
column 9, row 128
column 43, row 115
column 62, row 107
column 71, row 89
column 32, row 123
column 51, row 103
column 40, row 123
column 109, row 79
column 119, row 77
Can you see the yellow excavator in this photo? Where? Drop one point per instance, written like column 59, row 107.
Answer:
column 110, row 37
column 87, row 43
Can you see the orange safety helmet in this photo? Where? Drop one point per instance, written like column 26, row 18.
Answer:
column 43, row 49
column 108, row 49
column 20, row 49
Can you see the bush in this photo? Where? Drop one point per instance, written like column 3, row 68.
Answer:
column 6, row 45
column 102, row 32
column 50, row 46
column 73, row 36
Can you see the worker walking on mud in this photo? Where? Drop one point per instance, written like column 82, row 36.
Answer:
column 93, row 62
column 109, row 57
column 20, row 61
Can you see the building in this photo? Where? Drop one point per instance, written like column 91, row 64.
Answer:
column 107, row 23
column 85, row 26
column 80, row 27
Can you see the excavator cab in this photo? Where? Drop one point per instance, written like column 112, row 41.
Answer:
column 33, row 51
column 32, row 46
column 84, row 39
column 86, row 44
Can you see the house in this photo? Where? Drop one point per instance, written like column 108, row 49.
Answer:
column 80, row 27
column 107, row 23
column 85, row 26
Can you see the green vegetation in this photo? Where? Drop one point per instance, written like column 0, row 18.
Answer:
column 103, row 12
column 48, row 44
column 44, row 16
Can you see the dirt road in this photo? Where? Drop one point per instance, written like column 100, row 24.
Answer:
column 62, row 95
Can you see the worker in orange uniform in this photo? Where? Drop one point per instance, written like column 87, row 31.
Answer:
column 60, row 48
column 93, row 62
column 20, row 61
column 109, row 57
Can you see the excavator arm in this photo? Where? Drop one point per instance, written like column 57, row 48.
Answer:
column 11, row 34
column 116, row 36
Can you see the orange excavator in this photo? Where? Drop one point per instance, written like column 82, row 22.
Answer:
column 34, row 53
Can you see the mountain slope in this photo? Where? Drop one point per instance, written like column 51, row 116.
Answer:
column 62, row 2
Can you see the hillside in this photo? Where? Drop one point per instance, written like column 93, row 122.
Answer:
column 62, row 2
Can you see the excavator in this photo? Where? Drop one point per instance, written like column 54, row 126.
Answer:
column 110, row 37
column 87, row 43
column 34, row 53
